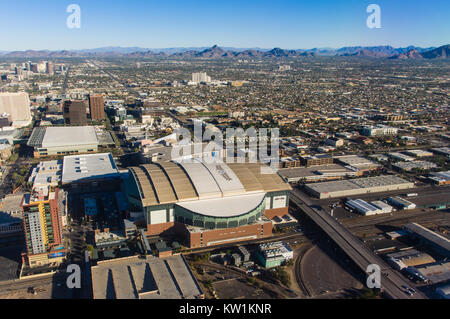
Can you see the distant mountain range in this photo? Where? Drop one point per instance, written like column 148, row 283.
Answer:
column 216, row 52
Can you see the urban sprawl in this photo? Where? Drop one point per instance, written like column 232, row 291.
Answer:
column 89, row 176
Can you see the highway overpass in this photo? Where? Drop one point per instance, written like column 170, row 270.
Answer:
column 391, row 282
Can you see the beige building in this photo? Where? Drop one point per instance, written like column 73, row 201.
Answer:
column 17, row 105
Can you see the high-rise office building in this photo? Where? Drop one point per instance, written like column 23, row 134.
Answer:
column 42, row 227
column 74, row 113
column 49, row 68
column 34, row 68
column 200, row 77
column 96, row 107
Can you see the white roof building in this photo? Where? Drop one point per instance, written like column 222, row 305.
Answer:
column 82, row 167
column 72, row 135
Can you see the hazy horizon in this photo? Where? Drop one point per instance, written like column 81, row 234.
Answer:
column 287, row 24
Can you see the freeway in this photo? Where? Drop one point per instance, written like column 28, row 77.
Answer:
column 391, row 282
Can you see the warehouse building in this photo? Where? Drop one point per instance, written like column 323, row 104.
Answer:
column 408, row 258
column 357, row 163
column 409, row 166
column 445, row 151
column 367, row 209
column 315, row 174
column 419, row 153
column 437, row 272
column 401, row 157
column 208, row 204
column 437, row 242
column 385, row 208
column 54, row 141
column 441, row 178
column 358, row 186
column 401, row 203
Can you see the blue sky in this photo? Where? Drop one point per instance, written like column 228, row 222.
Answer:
column 291, row 24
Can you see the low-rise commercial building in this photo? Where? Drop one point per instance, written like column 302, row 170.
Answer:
column 54, row 141
column 437, row 272
column 435, row 241
column 358, row 186
column 151, row 278
column 368, row 209
column 401, row 157
column 314, row 174
column 409, row 166
column 357, row 163
column 274, row 254
column 441, row 178
column 419, row 153
column 445, row 151
column 401, row 203
column 379, row 130
column 320, row 159
column 408, row 258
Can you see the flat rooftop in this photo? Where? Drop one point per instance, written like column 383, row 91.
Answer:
column 436, row 272
column 314, row 172
column 46, row 173
column 359, row 183
column 79, row 167
column 429, row 235
column 150, row 278
column 63, row 136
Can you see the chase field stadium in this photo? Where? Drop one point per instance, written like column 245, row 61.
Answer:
column 208, row 204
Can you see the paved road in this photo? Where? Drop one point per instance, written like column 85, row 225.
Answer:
column 66, row 79
column 391, row 282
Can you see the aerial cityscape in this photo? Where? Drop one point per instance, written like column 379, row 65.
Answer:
column 223, row 170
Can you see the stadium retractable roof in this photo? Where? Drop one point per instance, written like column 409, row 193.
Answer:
column 171, row 182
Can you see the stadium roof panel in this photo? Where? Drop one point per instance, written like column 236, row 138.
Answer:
column 172, row 182
column 225, row 178
column 201, row 178
column 161, row 184
column 184, row 190
column 145, row 188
